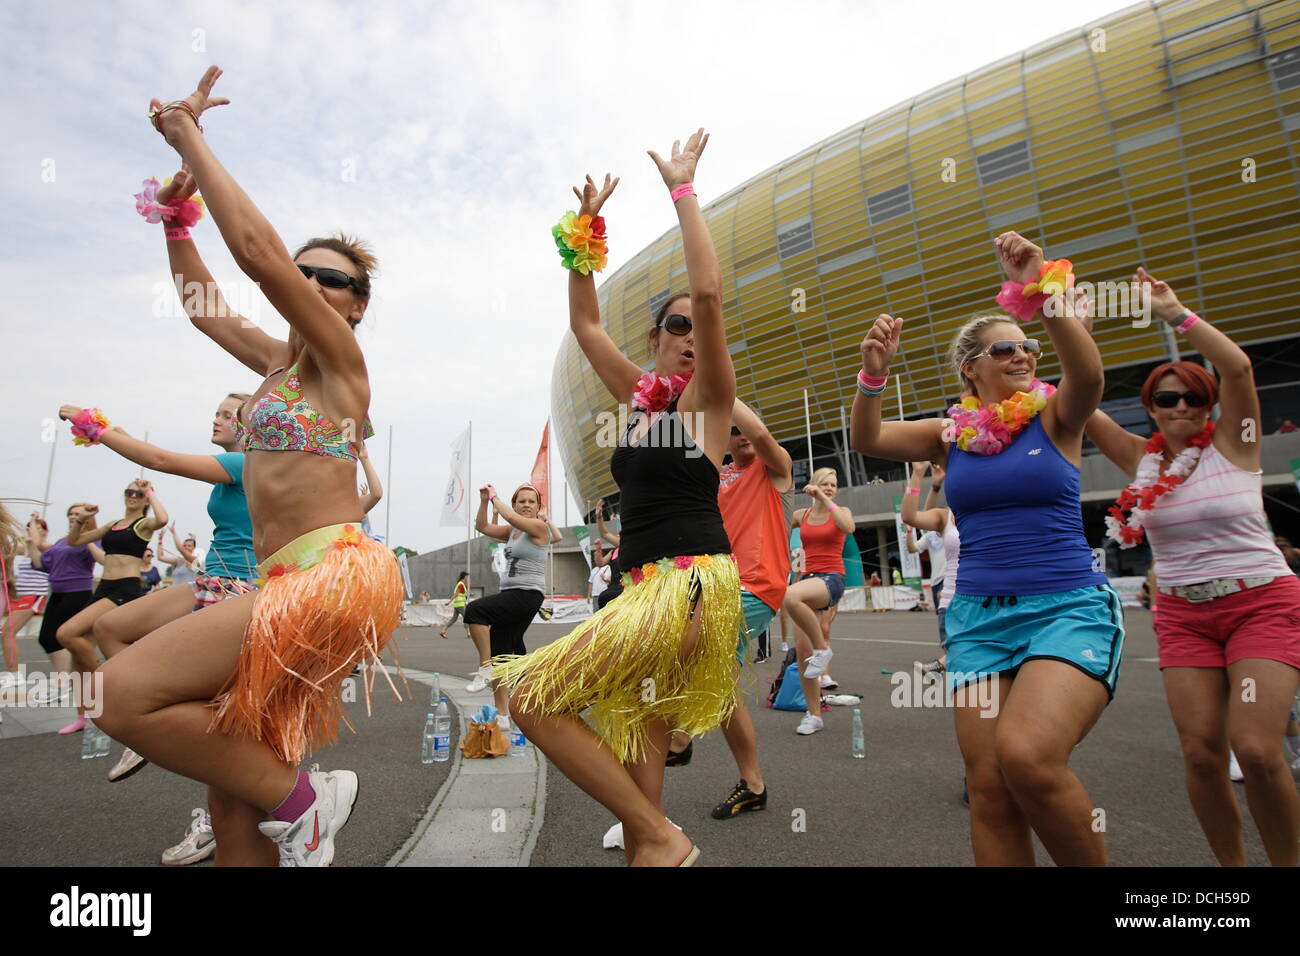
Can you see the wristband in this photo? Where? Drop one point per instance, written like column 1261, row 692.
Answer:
column 685, row 189
column 149, row 493
column 581, row 242
column 87, row 425
column 913, row 491
column 1022, row 300
column 174, row 235
column 1191, row 319
column 492, row 497
column 870, row 385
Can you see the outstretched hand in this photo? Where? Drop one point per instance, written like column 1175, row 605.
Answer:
column 680, row 168
column 592, row 198
column 198, row 101
column 881, row 345
column 1164, row 301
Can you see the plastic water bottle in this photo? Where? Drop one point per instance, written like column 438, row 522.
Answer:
column 518, row 742
column 859, row 739
column 436, row 694
column 88, row 742
column 426, row 743
column 103, row 743
column 442, row 732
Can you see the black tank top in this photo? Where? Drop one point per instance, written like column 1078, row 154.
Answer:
column 125, row 541
column 669, row 494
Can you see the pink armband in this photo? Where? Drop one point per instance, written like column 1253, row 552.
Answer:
column 913, row 491
column 871, row 381
column 173, row 235
column 1187, row 323
column 685, row 189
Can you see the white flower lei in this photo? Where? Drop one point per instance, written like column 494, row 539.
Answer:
column 1148, row 473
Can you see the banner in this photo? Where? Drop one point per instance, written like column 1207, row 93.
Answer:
column 406, row 574
column 911, row 562
column 584, row 539
column 499, row 563
column 455, row 500
column 539, row 477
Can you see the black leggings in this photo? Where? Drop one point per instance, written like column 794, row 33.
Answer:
column 508, row 613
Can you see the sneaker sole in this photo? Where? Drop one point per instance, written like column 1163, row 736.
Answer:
column 752, row 806
column 197, row 857
column 348, row 785
column 130, row 773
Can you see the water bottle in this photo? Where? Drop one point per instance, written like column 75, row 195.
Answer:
column 426, row 743
column 518, row 742
column 88, row 742
column 442, row 732
column 436, row 694
column 104, row 743
column 859, row 740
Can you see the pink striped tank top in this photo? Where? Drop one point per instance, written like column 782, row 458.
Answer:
column 1213, row 526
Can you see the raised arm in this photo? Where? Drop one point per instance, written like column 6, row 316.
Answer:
column 161, row 555
column 83, row 530
column 533, row 527
column 201, row 297
column 199, row 467
column 372, row 491
column 604, row 532
column 616, row 370
column 931, row 519
column 36, row 543
column 775, row 458
column 1238, row 399
column 868, row 434
column 498, row 532
column 553, row 533
column 713, row 386
column 260, row 254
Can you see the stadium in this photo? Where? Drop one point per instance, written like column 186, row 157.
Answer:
column 1163, row 135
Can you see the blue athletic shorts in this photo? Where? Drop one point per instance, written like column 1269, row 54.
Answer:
column 1083, row 627
column 757, row 617
column 834, row 585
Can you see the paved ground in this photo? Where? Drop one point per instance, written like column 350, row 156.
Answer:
column 899, row 806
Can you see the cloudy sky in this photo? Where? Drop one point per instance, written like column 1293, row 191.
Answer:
column 447, row 134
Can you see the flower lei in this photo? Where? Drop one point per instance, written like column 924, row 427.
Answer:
column 1149, row 485
column 1022, row 299
column 988, row 429
column 654, row 393
column 146, row 204
column 581, row 242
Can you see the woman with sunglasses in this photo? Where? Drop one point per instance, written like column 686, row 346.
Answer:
column 661, row 657
column 1229, row 607
column 124, row 543
column 822, row 530
column 1031, row 615
column 235, row 696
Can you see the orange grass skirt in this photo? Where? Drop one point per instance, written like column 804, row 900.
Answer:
column 331, row 599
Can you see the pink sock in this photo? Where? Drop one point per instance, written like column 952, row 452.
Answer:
column 296, row 803
column 76, row 725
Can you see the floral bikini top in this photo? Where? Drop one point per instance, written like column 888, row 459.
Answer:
column 283, row 420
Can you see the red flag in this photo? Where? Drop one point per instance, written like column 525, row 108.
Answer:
column 541, row 467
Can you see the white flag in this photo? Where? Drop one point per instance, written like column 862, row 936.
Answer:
column 455, row 500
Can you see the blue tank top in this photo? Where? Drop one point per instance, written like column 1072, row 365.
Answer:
column 1019, row 519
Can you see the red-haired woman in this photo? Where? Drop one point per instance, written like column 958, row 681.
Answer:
column 1228, row 626
column 235, row 696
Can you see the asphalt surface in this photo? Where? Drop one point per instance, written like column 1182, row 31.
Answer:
column 897, row 807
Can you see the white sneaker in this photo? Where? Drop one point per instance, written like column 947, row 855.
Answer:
column 309, row 840
column 827, row 682
column 613, row 839
column 810, row 725
column 127, row 765
column 481, row 678
column 1234, row 769
column 817, row 662
column 199, row 843
column 842, row 700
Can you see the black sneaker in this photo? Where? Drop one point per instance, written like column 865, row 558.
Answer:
column 742, row 800
column 680, row 758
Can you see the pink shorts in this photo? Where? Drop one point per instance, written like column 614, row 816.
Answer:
column 1263, row 622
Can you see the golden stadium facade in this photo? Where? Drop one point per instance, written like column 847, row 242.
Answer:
column 1164, row 134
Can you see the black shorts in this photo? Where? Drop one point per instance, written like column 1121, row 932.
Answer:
column 120, row 590
column 508, row 613
column 61, row 609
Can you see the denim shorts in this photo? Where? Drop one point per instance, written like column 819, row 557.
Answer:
column 834, row 584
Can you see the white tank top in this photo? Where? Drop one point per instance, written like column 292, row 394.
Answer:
column 951, row 552
column 1213, row 526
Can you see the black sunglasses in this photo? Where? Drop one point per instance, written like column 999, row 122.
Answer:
column 1006, row 348
column 674, row 324
column 1169, row 399
column 133, row 493
column 332, row 278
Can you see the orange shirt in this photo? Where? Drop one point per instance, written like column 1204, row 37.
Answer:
column 823, row 545
column 759, row 529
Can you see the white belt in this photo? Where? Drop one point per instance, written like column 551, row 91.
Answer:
column 1219, row 587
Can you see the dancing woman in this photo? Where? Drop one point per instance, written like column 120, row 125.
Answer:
column 661, row 657
column 940, row 539
column 185, row 566
column 822, row 530
column 235, row 696
column 1031, row 616
column 29, row 585
column 497, row 623
column 1228, row 603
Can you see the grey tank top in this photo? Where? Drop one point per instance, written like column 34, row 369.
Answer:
column 181, row 573
column 525, row 564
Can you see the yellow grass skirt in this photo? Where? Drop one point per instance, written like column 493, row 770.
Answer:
column 330, row 599
column 624, row 663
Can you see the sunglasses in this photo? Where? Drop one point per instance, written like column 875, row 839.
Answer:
column 133, row 493
column 332, row 278
column 674, row 324
column 1006, row 348
column 1169, row 399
